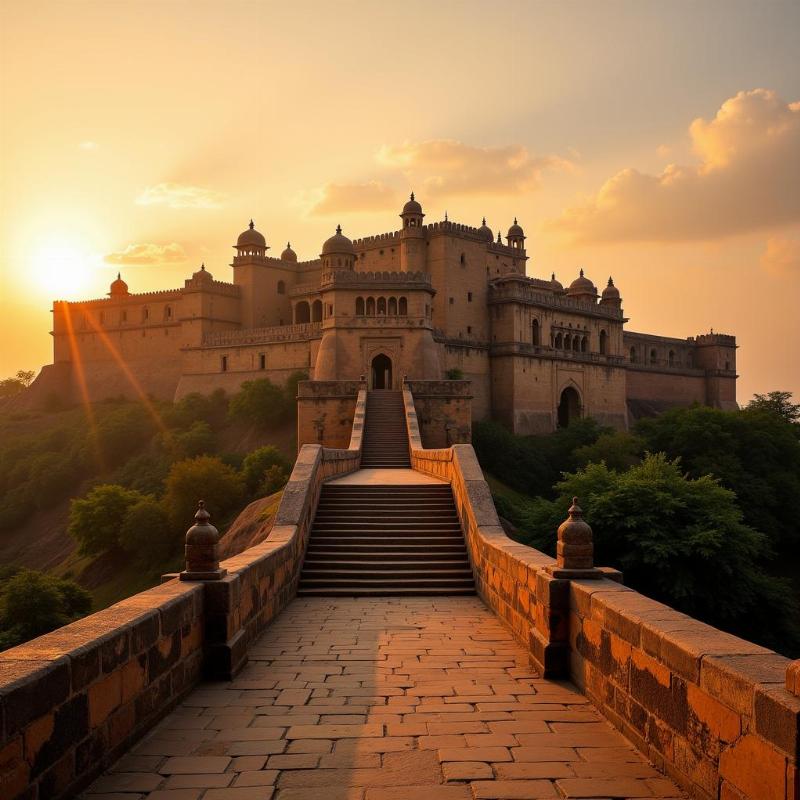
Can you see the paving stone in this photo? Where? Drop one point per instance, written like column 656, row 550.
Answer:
column 125, row 782
column 466, row 770
column 263, row 777
column 608, row 787
column 513, row 790
column 294, row 761
column 241, row 793
column 194, row 765
column 207, row 781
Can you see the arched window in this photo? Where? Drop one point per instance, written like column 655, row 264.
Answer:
column 584, row 344
column 567, row 342
column 281, row 287
column 633, row 355
column 535, row 332
column 403, row 307
column 168, row 312
column 370, row 306
column 302, row 313
column 463, row 259
column 576, row 343
column 392, row 307
column 603, row 342
column 653, row 356
column 359, row 306
column 316, row 311
column 559, row 344
column 381, row 306
column 671, row 358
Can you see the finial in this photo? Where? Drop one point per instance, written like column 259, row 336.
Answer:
column 202, row 560
column 252, row 224
column 288, row 245
column 610, row 281
column 412, row 195
column 499, row 240
column 445, row 215
column 484, row 221
column 339, row 229
column 581, row 272
column 553, row 277
column 515, row 220
column 119, row 276
column 575, row 510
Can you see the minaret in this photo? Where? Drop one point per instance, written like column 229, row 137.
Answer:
column 412, row 237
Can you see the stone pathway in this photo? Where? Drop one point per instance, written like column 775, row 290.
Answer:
column 384, row 699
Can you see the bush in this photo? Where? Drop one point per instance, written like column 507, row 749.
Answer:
column 197, row 440
column 209, row 408
column 123, row 431
column 454, row 374
column 680, row 540
column 256, row 464
column 275, row 479
column 264, row 404
column 618, row 451
column 146, row 534
column 95, row 520
column 202, row 478
column 33, row 603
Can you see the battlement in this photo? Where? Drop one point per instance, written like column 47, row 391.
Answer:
column 217, row 287
column 159, row 294
column 535, row 291
column 377, row 239
column 714, row 339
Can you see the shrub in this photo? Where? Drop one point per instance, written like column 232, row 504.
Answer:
column 256, row 464
column 202, row 478
column 454, row 374
column 147, row 535
column 95, row 520
column 275, row 479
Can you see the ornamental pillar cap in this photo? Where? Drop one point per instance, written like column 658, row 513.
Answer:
column 202, row 560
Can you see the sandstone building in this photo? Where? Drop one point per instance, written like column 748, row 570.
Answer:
column 419, row 302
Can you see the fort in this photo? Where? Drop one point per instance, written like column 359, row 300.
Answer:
column 387, row 640
column 425, row 301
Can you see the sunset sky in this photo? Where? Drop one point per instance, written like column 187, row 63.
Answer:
column 658, row 142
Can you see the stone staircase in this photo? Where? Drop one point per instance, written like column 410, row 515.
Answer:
column 385, row 444
column 382, row 538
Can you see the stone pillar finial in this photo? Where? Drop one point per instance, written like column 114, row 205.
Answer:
column 575, row 549
column 793, row 678
column 202, row 559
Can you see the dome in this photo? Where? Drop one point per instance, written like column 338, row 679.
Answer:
column 555, row 285
column 515, row 230
column 581, row 286
column 251, row 237
column 338, row 244
column 288, row 254
column 610, row 292
column 486, row 231
column 118, row 286
column 202, row 274
column 411, row 207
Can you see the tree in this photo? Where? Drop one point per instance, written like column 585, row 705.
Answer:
column 195, row 407
column 779, row 403
column 259, row 402
column 275, row 479
column 679, row 540
column 33, row 603
column 198, row 440
column 617, row 450
column 202, row 478
column 146, row 534
column 122, row 431
column 21, row 381
column 256, row 464
column 95, row 520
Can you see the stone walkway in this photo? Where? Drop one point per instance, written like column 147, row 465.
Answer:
column 384, row 699
column 384, row 476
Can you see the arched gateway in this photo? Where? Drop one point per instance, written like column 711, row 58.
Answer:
column 569, row 407
column 381, row 372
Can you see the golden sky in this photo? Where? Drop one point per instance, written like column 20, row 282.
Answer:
column 658, row 142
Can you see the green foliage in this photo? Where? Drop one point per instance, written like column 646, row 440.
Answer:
column 264, row 404
column 146, row 534
column 532, row 464
column 275, row 478
column 209, row 408
column 95, row 520
column 32, row 603
column 197, row 440
column 755, row 453
column 779, row 403
column 454, row 374
column 122, row 431
column 21, row 381
column 202, row 478
column 617, row 450
column 257, row 463
column 145, row 472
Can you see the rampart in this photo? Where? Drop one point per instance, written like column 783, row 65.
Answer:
column 717, row 714
column 74, row 700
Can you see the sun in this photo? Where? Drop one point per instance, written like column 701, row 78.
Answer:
column 61, row 270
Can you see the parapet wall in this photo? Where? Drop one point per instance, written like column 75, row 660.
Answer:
column 326, row 411
column 719, row 715
column 72, row 701
column 444, row 411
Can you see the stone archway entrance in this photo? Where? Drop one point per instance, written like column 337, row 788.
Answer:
column 381, row 372
column 569, row 407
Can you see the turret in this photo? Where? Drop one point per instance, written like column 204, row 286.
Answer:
column 611, row 296
column 516, row 236
column 338, row 252
column 412, row 237
column 251, row 245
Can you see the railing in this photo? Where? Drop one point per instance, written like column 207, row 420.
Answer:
column 74, row 700
column 540, row 296
column 719, row 715
column 277, row 333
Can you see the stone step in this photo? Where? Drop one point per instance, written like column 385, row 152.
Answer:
column 382, row 569
column 382, row 592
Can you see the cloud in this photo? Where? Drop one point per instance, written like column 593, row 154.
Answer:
column 782, row 256
column 747, row 179
column 179, row 195
column 148, row 253
column 450, row 167
column 339, row 198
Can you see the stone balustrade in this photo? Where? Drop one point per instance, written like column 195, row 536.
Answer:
column 717, row 714
column 72, row 701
